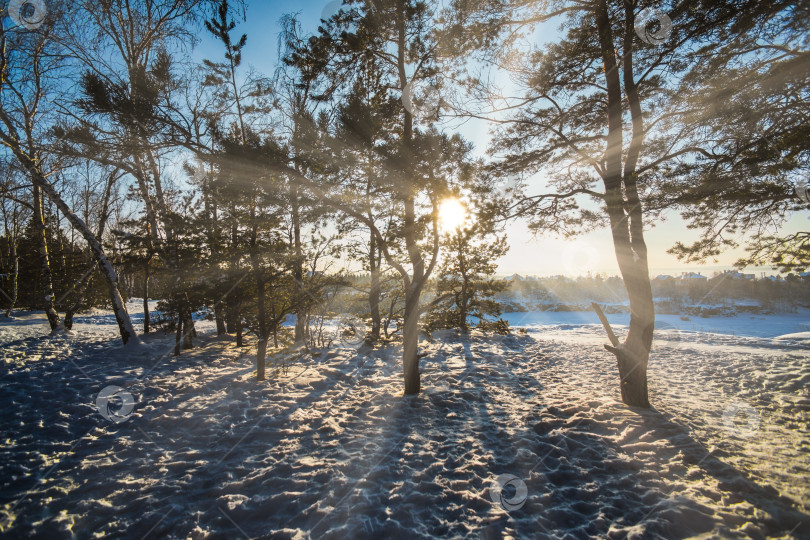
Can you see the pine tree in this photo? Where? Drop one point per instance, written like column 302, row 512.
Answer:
column 596, row 119
column 755, row 138
column 422, row 162
column 365, row 123
column 467, row 286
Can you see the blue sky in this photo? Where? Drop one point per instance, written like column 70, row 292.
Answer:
column 592, row 252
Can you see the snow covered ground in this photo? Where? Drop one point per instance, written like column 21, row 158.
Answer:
column 329, row 447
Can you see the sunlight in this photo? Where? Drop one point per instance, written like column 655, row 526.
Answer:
column 452, row 214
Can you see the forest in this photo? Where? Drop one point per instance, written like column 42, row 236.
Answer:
column 227, row 288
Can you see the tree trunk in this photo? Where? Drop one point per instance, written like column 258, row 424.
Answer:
column 234, row 302
column 413, row 290
column 374, row 291
column 261, row 353
column 374, row 256
column 220, row 319
column 69, row 319
column 188, row 331
column 230, row 320
column 464, row 299
column 188, row 325
column 463, row 314
column 410, row 344
column 298, row 270
column 45, row 264
column 81, row 290
column 125, row 328
column 261, row 311
column 146, row 276
column 15, row 264
column 178, row 333
column 212, row 222
column 632, row 359
column 626, row 223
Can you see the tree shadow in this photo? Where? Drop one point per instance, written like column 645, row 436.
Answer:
column 655, row 481
column 344, row 455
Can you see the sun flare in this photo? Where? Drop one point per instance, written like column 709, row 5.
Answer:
column 452, row 214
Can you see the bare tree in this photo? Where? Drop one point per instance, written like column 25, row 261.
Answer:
column 27, row 64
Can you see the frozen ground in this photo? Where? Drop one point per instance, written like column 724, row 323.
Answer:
column 330, row 448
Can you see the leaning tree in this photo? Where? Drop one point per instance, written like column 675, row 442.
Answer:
column 31, row 63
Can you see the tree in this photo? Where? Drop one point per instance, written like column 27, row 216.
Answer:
column 467, row 286
column 306, row 134
column 241, row 101
column 259, row 213
column 81, row 287
column 15, row 212
column 138, row 256
column 596, row 112
column 28, row 62
column 398, row 33
column 129, row 115
column 365, row 125
column 756, row 140
column 574, row 116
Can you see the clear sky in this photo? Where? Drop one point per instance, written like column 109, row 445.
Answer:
column 528, row 255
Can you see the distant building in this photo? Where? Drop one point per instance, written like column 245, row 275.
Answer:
column 733, row 274
column 692, row 275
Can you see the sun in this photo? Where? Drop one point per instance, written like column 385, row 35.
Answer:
column 452, row 214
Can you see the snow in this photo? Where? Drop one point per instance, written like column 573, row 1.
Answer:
column 802, row 336
column 328, row 446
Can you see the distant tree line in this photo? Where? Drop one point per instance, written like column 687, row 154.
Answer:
column 672, row 295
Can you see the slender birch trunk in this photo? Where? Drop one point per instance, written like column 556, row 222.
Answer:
column 125, row 328
column 15, row 272
column 147, row 270
column 45, row 263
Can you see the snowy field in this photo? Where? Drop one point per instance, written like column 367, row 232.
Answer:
column 328, row 447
